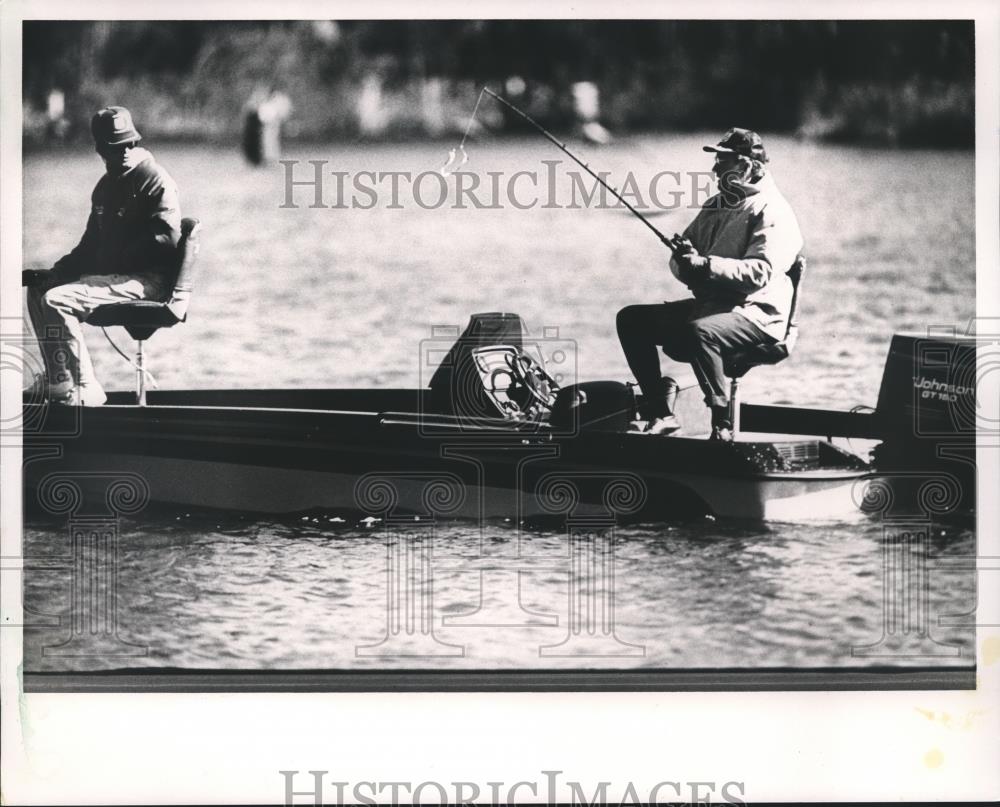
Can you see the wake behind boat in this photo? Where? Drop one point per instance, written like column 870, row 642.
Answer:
column 493, row 435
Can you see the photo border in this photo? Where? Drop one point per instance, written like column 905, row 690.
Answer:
column 794, row 746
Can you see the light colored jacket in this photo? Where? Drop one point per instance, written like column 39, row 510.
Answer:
column 751, row 242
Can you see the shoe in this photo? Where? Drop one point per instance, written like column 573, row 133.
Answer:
column 81, row 396
column 665, row 424
column 721, row 419
column 722, row 434
column 92, row 396
column 38, row 390
column 63, row 394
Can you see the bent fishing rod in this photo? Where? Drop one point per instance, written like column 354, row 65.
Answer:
column 669, row 242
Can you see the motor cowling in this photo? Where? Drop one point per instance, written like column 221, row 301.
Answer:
column 928, row 388
column 927, row 418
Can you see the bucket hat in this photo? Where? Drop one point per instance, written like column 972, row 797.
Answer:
column 113, row 126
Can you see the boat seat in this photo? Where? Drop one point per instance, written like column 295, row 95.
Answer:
column 143, row 318
column 738, row 363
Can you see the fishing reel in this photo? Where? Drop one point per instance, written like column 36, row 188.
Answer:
column 516, row 384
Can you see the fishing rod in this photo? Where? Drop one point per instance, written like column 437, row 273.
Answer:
column 669, row 242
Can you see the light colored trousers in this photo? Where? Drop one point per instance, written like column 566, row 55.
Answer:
column 56, row 315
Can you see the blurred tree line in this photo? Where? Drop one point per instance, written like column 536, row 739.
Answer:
column 909, row 83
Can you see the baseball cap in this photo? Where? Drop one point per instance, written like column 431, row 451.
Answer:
column 113, row 126
column 740, row 141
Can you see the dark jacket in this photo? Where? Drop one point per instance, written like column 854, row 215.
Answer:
column 134, row 225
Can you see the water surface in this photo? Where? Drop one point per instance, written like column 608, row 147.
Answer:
column 343, row 297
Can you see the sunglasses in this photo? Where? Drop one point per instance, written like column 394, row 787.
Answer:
column 121, row 148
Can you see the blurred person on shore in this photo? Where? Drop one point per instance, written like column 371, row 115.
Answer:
column 264, row 114
column 126, row 253
column 734, row 257
column 587, row 109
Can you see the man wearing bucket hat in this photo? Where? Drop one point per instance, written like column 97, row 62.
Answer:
column 734, row 257
column 125, row 254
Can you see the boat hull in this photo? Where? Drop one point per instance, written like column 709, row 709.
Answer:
column 350, row 452
column 264, row 489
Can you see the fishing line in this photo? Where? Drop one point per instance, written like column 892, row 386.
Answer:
column 461, row 146
column 670, row 243
column 562, row 147
column 143, row 370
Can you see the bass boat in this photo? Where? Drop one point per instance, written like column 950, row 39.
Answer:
column 494, row 435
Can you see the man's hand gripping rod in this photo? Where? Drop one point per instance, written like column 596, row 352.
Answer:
column 673, row 243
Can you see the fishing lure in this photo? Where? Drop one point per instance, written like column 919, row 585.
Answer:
column 453, row 154
column 450, row 167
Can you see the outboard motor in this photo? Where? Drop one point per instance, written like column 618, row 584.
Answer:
column 926, row 416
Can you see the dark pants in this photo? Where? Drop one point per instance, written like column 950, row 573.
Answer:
column 684, row 336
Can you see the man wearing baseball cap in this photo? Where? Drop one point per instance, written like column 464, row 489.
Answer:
column 126, row 253
column 734, row 257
